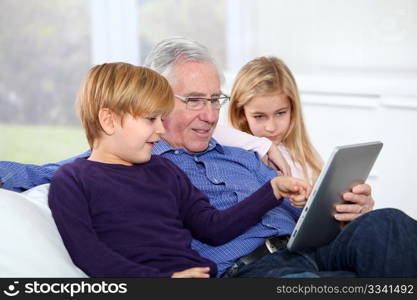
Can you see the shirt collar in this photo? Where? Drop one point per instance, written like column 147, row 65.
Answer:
column 162, row 147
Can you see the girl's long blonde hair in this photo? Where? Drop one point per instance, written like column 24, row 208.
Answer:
column 265, row 76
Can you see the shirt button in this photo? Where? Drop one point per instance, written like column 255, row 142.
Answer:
column 176, row 152
column 215, row 180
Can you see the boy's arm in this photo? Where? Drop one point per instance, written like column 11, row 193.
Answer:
column 71, row 213
column 216, row 227
column 20, row 177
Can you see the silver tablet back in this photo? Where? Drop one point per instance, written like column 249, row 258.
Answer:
column 347, row 166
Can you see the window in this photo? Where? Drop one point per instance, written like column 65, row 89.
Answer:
column 44, row 55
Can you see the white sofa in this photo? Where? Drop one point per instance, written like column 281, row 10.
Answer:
column 30, row 242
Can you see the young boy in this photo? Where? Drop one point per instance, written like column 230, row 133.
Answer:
column 124, row 213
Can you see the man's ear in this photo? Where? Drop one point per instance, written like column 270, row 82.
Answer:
column 107, row 120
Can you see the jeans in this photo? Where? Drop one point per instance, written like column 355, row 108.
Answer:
column 381, row 243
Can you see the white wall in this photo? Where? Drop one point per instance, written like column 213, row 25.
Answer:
column 338, row 35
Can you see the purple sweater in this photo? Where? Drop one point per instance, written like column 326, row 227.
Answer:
column 138, row 221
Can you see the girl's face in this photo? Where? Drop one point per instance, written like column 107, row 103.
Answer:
column 269, row 116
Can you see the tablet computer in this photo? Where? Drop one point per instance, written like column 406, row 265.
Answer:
column 347, row 166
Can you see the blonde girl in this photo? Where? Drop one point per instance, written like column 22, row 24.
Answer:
column 265, row 102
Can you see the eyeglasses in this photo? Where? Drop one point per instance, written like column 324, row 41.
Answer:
column 197, row 103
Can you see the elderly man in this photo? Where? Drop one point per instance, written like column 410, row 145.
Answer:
column 228, row 175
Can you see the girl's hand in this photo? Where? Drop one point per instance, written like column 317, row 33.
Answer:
column 193, row 273
column 275, row 160
column 296, row 190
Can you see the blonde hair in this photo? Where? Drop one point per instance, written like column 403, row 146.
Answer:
column 124, row 89
column 265, row 76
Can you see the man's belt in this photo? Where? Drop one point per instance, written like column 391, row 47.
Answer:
column 271, row 245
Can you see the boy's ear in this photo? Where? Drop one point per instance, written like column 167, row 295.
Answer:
column 107, row 120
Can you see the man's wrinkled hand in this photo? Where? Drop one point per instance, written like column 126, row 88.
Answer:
column 360, row 202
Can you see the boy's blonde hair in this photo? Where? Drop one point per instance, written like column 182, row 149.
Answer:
column 266, row 76
column 124, row 89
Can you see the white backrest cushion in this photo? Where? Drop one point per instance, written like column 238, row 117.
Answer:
column 30, row 242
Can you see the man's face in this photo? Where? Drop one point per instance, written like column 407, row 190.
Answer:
column 192, row 129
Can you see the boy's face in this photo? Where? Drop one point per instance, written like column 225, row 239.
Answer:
column 133, row 142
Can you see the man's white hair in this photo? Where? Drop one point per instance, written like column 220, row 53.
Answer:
column 169, row 51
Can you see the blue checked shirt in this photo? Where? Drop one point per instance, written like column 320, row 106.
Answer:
column 226, row 174
column 21, row 177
